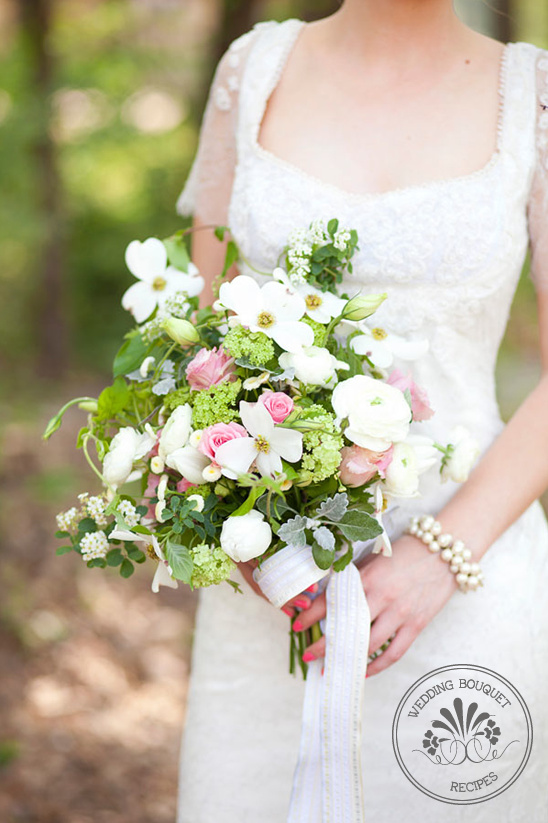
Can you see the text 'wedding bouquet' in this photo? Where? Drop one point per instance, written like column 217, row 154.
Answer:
column 268, row 426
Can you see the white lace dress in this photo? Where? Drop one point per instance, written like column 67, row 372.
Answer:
column 449, row 254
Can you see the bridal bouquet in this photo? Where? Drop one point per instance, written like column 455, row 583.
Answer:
column 272, row 418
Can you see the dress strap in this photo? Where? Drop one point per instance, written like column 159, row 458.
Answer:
column 264, row 66
column 519, row 107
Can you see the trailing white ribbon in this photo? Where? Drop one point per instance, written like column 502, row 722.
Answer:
column 327, row 784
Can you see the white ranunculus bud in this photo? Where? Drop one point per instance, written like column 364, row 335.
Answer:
column 402, row 474
column 176, row 431
column 126, row 446
column 378, row 414
column 314, row 365
column 465, row 452
column 362, row 306
column 245, row 537
column 189, row 462
column 198, row 500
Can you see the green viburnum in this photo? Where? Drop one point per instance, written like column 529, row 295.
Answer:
column 321, row 447
column 211, row 565
column 320, row 332
column 255, row 346
column 176, row 398
column 215, row 405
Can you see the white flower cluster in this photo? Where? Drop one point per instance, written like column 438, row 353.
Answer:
column 153, row 329
column 129, row 513
column 94, row 544
column 177, row 304
column 68, row 521
column 341, row 239
column 94, row 507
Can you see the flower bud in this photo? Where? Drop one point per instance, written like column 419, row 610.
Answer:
column 88, row 405
column 362, row 306
column 181, row 331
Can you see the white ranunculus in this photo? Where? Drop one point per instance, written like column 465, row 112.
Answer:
column 126, row 446
column 189, row 462
column 245, row 537
column 176, row 431
column 314, row 365
column 402, row 474
column 378, row 414
column 465, row 453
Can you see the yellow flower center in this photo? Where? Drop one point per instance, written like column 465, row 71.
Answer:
column 262, row 444
column 378, row 333
column 151, row 553
column 159, row 283
column 313, row 301
column 265, row 320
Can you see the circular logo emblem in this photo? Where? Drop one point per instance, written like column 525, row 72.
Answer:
column 462, row 734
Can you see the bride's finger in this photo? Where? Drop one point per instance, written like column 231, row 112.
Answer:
column 315, row 650
column 311, row 615
column 382, row 629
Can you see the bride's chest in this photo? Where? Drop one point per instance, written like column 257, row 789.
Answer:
column 465, row 230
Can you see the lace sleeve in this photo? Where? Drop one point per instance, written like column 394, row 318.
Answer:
column 208, row 187
column 538, row 202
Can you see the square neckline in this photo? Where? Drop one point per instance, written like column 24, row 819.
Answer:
column 266, row 154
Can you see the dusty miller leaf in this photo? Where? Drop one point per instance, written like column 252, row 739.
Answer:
column 292, row 532
column 334, row 508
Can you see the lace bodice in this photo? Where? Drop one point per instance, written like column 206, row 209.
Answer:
column 449, row 253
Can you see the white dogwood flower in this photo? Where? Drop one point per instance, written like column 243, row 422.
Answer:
column 381, row 347
column 265, row 447
column 163, row 575
column 158, row 282
column 321, row 306
column 271, row 308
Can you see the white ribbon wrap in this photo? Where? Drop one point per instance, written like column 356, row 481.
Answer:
column 327, row 784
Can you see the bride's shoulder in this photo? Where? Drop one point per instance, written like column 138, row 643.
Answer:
column 263, row 28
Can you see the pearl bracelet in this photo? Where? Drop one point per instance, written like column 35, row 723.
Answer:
column 468, row 575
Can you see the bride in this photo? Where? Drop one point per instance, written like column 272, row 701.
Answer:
column 432, row 141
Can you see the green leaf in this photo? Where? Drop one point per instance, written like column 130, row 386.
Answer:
column 220, row 232
column 136, row 554
column 332, row 226
column 80, row 438
column 293, row 531
column 87, row 525
column 130, row 355
column 177, row 253
column 231, row 256
column 180, row 560
column 248, row 504
column 114, row 557
column 323, row 558
column 97, row 563
column 356, row 525
column 113, row 399
column 61, row 534
column 127, row 568
column 343, row 561
column 278, row 506
column 63, row 550
column 334, row 508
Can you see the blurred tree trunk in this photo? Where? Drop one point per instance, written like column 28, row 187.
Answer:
column 50, row 325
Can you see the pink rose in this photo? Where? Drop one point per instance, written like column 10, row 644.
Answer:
column 420, row 405
column 359, row 465
column 183, row 486
column 150, row 491
column 278, row 404
column 214, row 436
column 209, row 368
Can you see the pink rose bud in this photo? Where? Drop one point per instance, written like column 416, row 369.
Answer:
column 278, row 404
column 214, row 436
column 359, row 465
column 209, row 368
column 420, row 405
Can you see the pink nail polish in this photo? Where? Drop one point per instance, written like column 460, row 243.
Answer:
column 301, row 603
column 313, row 588
column 297, row 626
column 287, row 610
column 308, row 657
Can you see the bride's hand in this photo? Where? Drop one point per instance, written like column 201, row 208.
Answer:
column 404, row 592
column 302, row 601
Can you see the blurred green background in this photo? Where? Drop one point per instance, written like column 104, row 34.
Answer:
column 100, row 102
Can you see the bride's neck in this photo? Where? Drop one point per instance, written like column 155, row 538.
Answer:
column 398, row 27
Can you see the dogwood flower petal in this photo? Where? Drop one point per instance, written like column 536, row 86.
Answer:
column 139, row 299
column 189, row 462
column 292, row 336
column 146, row 260
column 236, row 456
column 256, row 419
